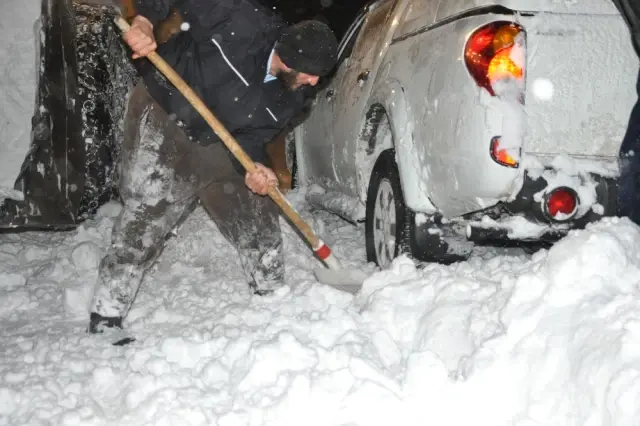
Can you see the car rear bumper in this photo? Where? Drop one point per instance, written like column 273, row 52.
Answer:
column 526, row 218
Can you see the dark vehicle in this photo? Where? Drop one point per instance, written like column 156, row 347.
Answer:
column 85, row 73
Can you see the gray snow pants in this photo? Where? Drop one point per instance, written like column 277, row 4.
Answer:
column 162, row 175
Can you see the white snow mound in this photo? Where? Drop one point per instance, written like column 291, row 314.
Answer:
column 506, row 339
column 553, row 341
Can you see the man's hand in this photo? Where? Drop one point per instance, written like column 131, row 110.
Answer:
column 261, row 180
column 140, row 37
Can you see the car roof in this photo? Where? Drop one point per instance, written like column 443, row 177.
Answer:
column 446, row 9
column 449, row 8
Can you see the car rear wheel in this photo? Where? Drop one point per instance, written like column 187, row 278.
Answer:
column 388, row 220
column 292, row 160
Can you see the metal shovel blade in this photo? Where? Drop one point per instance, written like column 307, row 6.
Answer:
column 348, row 280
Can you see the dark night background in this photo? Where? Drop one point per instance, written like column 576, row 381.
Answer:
column 338, row 14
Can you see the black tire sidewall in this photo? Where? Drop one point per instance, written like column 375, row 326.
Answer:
column 386, row 168
column 290, row 150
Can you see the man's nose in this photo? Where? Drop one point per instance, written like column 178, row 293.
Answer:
column 313, row 80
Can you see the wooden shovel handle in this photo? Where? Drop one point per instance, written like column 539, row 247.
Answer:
column 226, row 138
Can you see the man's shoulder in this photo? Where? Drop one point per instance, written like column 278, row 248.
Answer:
column 249, row 10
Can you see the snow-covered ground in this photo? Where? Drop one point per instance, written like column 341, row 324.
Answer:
column 552, row 339
column 502, row 339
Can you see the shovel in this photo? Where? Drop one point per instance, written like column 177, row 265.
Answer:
column 333, row 275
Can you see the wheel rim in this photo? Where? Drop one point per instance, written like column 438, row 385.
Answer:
column 384, row 224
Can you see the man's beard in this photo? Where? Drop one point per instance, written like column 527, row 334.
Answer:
column 288, row 79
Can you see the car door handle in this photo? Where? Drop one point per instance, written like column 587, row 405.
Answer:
column 363, row 76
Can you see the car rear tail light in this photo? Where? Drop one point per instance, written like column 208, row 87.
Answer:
column 504, row 156
column 495, row 53
column 561, row 203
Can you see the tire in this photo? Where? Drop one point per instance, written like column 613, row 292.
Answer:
column 294, row 173
column 388, row 224
column 292, row 160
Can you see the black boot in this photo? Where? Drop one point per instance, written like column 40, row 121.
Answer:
column 268, row 274
column 254, row 287
column 97, row 322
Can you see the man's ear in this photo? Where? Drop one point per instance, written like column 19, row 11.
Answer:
column 278, row 62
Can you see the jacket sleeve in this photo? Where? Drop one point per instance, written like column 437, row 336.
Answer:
column 154, row 10
column 202, row 12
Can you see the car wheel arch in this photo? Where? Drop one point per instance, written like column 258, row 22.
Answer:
column 388, row 101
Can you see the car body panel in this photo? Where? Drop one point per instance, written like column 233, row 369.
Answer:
column 452, row 128
column 355, row 86
column 375, row 35
column 418, row 15
column 391, row 95
column 560, row 57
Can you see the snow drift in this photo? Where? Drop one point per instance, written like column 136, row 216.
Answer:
column 497, row 340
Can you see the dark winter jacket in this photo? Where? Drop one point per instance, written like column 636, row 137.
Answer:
column 222, row 52
column 630, row 10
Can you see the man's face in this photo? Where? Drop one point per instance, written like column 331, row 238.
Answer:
column 293, row 80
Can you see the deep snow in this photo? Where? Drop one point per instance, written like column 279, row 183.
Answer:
column 551, row 339
column 502, row 339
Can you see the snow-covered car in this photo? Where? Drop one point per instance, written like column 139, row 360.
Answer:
column 83, row 75
column 448, row 123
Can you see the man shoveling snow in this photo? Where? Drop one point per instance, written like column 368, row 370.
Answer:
column 249, row 70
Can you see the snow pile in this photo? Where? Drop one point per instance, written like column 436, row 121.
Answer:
column 17, row 83
column 551, row 341
column 499, row 339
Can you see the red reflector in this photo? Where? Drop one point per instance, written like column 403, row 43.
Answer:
column 561, row 201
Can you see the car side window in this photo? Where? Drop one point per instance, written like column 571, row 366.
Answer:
column 371, row 29
column 345, row 48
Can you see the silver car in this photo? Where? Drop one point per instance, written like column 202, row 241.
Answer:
column 448, row 123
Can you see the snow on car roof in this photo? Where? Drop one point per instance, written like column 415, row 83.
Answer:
column 448, row 8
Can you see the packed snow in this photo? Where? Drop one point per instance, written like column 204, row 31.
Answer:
column 503, row 339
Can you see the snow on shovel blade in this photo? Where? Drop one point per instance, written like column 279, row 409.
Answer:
column 348, row 280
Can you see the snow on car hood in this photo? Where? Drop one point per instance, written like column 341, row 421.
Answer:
column 502, row 339
column 448, row 8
